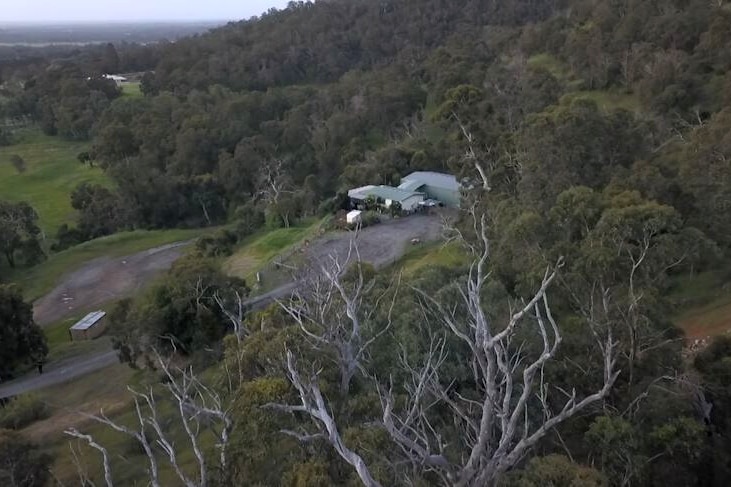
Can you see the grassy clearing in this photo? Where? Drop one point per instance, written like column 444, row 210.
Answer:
column 710, row 320
column 553, row 65
column 40, row 279
column 61, row 347
column 260, row 249
column 105, row 390
column 434, row 254
column 52, row 173
column 606, row 100
column 705, row 303
column 131, row 89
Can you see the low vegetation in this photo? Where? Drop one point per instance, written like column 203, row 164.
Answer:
column 21, row 411
column 131, row 89
column 257, row 251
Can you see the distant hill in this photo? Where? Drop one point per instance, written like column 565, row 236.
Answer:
column 86, row 33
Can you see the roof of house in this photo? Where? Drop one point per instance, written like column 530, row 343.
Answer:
column 429, row 178
column 411, row 185
column 89, row 320
column 395, row 194
column 360, row 193
column 384, row 192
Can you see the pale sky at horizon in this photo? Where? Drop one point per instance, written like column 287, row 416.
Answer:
column 50, row 11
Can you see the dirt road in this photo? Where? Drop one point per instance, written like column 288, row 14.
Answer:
column 64, row 371
column 102, row 280
column 379, row 245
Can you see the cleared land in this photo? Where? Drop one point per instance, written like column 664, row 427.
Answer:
column 42, row 278
column 380, row 245
column 102, row 280
column 131, row 89
column 62, row 372
column 106, row 390
column 52, row 172
column 705, row 302
column 710, row 320
column 260, row 249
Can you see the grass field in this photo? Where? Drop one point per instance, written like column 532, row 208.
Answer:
column 106, row 390
column 259, row 249
column 606, row 100
column 40, row 279
column 61, row 347
column 131, row 89
column 704, row 301
column 52, row 173
column 435, row 254
column 103, row 390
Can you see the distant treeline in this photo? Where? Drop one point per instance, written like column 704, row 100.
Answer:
column 279, row 115
column 35, row 34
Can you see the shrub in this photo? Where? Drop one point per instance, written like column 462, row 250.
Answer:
column 22, row 462
column 21, row 411
column 370, row 218
column 219, row 244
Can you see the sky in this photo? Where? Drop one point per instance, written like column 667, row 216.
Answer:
column 132, row 10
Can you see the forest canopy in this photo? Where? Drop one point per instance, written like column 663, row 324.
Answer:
column 592, row 141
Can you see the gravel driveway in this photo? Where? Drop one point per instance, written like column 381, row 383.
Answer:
column 102, row 280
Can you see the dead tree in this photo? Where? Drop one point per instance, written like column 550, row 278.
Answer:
column 199, row 408
column 335, row 314
column 314, row 405
column 235, row 310
column 471, row 157
column 274, row 186
column 510, row 410
column 105, row 456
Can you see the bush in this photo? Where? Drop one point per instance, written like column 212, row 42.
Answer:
column 22, row 411
column 249, row 218
column 67, row 237
column 370, row 218
column 6, row 137
column 219, row 244
column 23, row 463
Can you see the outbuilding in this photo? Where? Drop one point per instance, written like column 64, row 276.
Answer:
column 354, row 217
column 90, row 327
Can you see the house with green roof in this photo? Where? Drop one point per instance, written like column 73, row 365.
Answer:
column 418, row 189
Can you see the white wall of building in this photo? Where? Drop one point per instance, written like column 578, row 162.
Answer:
column 409, row 204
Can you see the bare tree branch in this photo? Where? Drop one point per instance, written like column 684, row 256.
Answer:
column 313, row 404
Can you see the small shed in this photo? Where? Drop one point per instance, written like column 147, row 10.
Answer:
column 90, row 327
column 354, row 217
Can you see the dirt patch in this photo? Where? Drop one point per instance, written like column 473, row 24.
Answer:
column 712, row 320
column 102, row 280
column 103, row 390
column 380, row 245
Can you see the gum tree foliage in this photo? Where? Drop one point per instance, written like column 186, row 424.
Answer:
column 20, row 236
column 21, row 341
